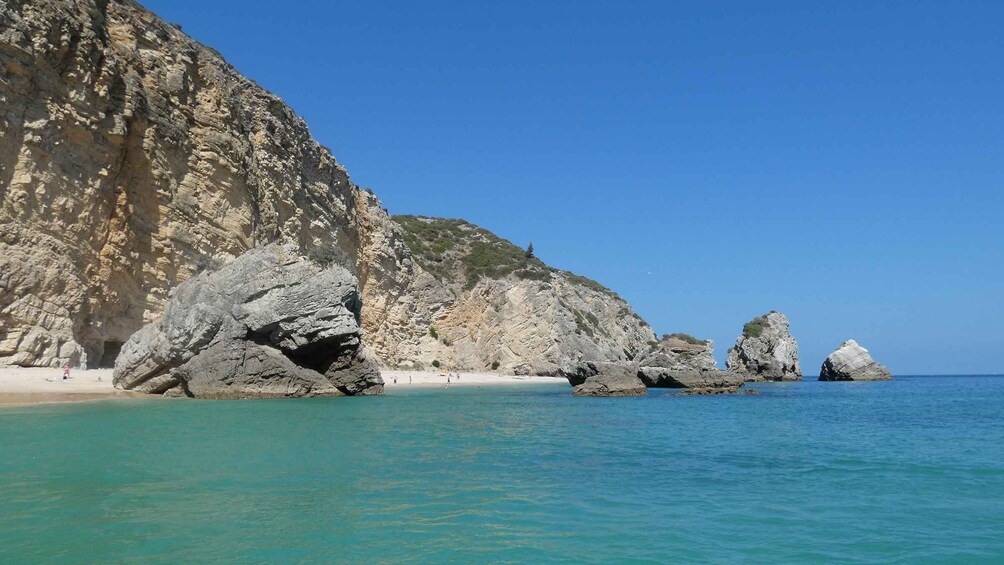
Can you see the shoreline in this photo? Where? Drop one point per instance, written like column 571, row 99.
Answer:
column 30, row 386
column 427, row 379
column 27, row 386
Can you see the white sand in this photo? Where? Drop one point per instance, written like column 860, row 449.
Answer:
column 430, row 379
column 33, row 385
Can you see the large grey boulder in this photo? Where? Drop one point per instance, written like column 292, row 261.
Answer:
column 269, row 324
column 766, row 351
column 851, row 362
column 603, row 379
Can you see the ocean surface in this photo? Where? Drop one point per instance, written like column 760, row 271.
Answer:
column 908, row 471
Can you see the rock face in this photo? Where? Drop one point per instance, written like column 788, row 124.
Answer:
column 604, row 379
column 268, row 324
column 133, row 157
column 766, row 351
column 851, row 362
column 683, row 361
column 661, row 377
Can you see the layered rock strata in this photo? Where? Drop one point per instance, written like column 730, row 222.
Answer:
column 766, row 351
column 133, row 157
column 268, row 324
column 851, row 362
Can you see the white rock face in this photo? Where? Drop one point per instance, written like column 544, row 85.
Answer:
column 851, row 362
column 766, row 351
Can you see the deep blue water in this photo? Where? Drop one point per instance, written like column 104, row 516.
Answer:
column 908, row 471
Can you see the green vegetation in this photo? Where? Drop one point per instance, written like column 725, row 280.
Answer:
column 755, row 327
column 208, row 263
column 685, row 337
column 589, row 283
column 495, row 365
column 326, row 254
column 433, row 332
column 461, row 253
column 435, row 363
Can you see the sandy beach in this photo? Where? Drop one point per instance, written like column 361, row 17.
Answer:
column 21, row 386
column 399, row 379
column 34, row 385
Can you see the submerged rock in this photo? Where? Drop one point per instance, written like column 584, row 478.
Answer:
column 268, row 324
column 766, row 351
column 604, row 379
column 851, row 362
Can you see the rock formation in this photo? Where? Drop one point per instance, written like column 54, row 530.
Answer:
column 765, row 351
column 501, row 307
column 851, row 362
column 683, row 361
column 268, row 324
column 133, row 157
column 604, row 379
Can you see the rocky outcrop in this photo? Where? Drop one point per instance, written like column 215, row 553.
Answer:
column 133, row 157
column 851, row 362
column 268, row 324
column 661, row 377
column 498, row 306
column 683, row 361
column 765, row 351
column 682, row 352
column 604, row 379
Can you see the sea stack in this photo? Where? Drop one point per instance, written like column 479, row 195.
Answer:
column 851, row 362
column 268, row 324
column 766, row 351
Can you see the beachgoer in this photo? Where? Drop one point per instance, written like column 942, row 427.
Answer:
column 66, row 371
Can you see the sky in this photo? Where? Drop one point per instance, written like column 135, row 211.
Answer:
column 841, row 162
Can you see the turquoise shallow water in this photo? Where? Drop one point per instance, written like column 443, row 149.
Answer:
column 908, row 471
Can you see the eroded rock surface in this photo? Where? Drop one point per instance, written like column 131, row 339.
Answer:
column 766, row 351
column 851, row 362
column 268, row 324
column 604, row 379
column 132, row 157
column 661, row 377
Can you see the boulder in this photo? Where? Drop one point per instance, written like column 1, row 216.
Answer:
column 268, row 324
column 661, row 377
column 851, row 362
column 604, row 379
column 766, row 351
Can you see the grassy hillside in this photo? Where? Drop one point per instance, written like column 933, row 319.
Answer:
column 461, row 253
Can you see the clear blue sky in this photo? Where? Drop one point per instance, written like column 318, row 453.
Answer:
column 842, row 162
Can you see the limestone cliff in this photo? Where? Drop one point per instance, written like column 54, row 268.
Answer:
column 501, row 307
column 133, row 157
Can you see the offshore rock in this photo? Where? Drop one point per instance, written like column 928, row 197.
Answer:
column 268, row 324
column 682, row 352
column 851, row 362
column 766, row 351
column 603, row 379
column 661, row 377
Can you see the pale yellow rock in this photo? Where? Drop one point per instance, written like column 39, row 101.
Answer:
column 132, row 156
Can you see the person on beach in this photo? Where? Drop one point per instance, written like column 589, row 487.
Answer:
column 66, row 371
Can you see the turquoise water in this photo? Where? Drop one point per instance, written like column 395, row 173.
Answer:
column 908, row 471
